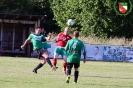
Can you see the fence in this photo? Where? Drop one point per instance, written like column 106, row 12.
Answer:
column 103, row 52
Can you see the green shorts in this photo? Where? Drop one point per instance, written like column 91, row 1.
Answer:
column 60, row 51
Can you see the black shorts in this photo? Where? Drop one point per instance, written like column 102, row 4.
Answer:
column 39, row 52
column 70, row 65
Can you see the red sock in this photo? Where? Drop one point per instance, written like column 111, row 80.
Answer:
column 54, row 61
column 64, row 65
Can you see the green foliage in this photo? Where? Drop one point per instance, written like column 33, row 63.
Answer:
column 16, row 6
column 95, row 18
column 92, row 18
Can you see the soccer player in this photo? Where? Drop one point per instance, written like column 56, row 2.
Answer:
column 36, row 40
column 45, row 46
column 74, row 48
column 43, row 32
column 61, row 40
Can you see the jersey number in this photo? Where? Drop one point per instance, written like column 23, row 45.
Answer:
column 64, row 39
column 74, row 45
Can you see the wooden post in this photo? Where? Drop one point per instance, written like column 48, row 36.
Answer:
column 13, row 37
column 1, row 33
column 38, row 22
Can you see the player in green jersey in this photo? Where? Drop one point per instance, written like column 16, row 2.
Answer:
column 45, row 46
column 74, row 48
column 36, row 40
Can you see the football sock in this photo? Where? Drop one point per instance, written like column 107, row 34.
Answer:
column 76, row 74
column 68, row 72
column 38, row 66
column 54, row 61
column 64, row 69
column 64, row 65
column 49, row 62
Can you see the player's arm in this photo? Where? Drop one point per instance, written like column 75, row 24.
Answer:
column 58, row 38
column 26, row 41
column 49, row 36
column 84, row 53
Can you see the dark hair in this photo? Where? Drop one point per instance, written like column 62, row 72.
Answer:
column 76, row 33
column 38, row 27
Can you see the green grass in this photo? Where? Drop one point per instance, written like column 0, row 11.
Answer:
column 16, row 72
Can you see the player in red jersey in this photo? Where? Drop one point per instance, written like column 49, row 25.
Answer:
column 61, row 40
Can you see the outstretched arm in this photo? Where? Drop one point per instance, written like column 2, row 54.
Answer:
column 58, row 38
column 26, row 41
column 49, row 36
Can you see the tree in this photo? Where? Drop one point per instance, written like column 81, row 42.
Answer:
column 95, row 18
column 16, row 6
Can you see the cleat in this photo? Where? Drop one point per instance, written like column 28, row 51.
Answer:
column 35, row 71
column 68, row 78
column 75, row 82
column 54, row 68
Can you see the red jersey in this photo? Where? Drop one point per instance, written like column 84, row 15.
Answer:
column 62, row 39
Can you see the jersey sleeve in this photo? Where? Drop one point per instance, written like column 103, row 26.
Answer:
column 43, row 38
column 30, row 36
column 59, row 37
column 83, row 46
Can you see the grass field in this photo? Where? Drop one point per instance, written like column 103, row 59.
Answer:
column 16, row 72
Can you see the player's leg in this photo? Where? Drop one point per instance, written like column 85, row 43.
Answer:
column 55, row 61
column 39, row 65
column 45, row 46
column 64, row 54
column 69, row 68
column 49, row 62
column 46, row 55
column 76, row 72
column 56, row 54
column 64, row 64
column 43, row 61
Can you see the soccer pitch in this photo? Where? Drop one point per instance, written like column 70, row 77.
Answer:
column 16, row 72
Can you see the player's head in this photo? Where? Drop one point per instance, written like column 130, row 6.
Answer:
column 42, row 30
column 66, row 31
column 76, row 34
column 38, row 30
